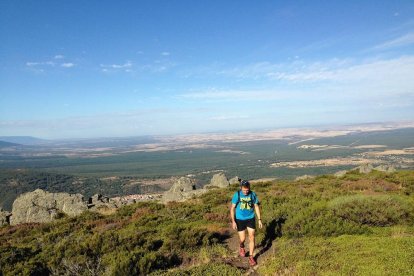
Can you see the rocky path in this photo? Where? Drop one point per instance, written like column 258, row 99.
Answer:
column 262, row 253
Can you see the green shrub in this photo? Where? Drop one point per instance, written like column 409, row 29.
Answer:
column 318, row 220
column 210, row 269
column 139, row 262
column 178, row 237
column 344, row 255
column 378, row 210
column 210, row 253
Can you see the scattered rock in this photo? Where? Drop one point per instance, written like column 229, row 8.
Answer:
column 102, row 204
column 42, row 206
column 385, row 168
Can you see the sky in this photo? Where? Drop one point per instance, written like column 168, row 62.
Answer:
column 83, row 69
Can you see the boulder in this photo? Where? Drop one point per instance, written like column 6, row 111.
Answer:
column 103, row 204
column 4, row 217
column 183, row 184
column 234, row 180
column 42, row 206
column 366, row 168
column 179, row 190
column 385, row 168
column 219, row 180
column 193, row 194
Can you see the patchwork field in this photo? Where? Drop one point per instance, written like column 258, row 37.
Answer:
column 121, row 166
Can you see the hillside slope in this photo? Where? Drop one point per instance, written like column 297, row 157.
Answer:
column 356, row 224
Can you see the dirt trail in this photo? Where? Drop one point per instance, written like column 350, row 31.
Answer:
column 261, row 254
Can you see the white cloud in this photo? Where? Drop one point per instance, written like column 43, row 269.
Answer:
column 404, row 40
column 165, row 53
column 113, row 68
column 233, row 95
column 127, row 64
column 43, row 63
column 300, row 85
column 394, row 71
column 59, row 57
column 32, row 64
column 229, row 117
column 67, row 65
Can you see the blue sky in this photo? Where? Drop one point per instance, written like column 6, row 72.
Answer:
column 71, row 69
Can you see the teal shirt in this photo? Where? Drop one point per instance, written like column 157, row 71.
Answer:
column 245, row 207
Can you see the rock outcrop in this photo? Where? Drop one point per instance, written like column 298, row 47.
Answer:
column 182, row 189
column 4, row 217
column 183, row 184
column 385, row 168
column 219, row 180
column 366, row 168
column 42, row 206
column 103, row 204
column 234, row 180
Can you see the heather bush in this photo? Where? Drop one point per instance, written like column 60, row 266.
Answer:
column 374, row 210
column 318, row 220
column 317, row 226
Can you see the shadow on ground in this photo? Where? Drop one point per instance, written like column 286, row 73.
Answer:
column 273, row 231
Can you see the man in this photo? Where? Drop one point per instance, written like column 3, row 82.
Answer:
column 245, row 202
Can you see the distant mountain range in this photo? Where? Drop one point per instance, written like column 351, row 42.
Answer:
column 7, row 144
column 21, row 140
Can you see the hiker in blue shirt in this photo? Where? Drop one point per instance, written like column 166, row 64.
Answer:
column 242, row 212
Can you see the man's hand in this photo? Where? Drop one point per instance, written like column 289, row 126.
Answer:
column 260, row 224
column 234, row 225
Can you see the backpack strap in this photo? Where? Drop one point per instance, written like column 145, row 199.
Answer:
column 253, row 197
column 238, row 198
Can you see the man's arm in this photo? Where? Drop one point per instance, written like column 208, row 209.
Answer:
column 232, row 216
column 259, row 215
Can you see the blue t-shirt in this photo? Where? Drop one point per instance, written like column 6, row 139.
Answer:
column 245, row 207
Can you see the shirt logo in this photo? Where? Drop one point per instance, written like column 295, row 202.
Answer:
column 245, row 204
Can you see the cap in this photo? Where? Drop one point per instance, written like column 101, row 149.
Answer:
column 245, row 183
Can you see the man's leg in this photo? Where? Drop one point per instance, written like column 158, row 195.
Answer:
column 242, row 236
column 251, row 241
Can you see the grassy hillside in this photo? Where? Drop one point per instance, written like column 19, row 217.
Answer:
column 357, row 224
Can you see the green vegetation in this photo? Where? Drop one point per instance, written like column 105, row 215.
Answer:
column 357, row 224
column 16, row 182
column 344, row 255
column 74, row 166
column 253, row 165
